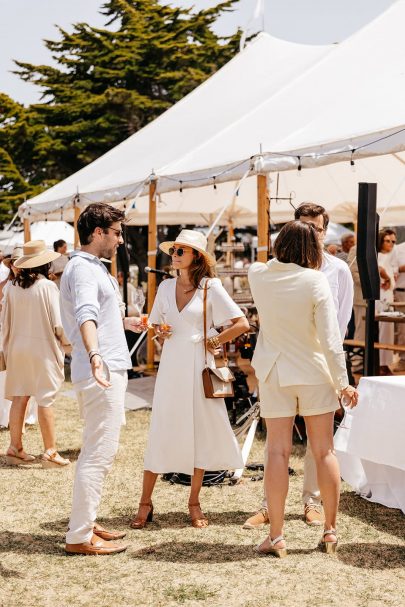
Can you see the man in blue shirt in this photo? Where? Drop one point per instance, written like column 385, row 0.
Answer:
column 92, row 317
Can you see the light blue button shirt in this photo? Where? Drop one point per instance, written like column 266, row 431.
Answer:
column 88, row 293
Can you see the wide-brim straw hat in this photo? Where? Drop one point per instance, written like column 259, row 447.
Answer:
column 190, row 238
column 35, row 254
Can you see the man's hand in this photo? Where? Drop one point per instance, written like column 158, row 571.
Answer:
column 133, row 324
column 97, row 370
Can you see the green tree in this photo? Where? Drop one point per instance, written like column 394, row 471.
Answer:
column 108, row 83
column 21, row 138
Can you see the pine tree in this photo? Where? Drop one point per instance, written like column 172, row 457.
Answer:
column 111, row 82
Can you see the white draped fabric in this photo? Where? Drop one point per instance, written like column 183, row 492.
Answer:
column 370, row 443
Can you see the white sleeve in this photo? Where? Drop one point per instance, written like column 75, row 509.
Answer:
column 328, row 332
column 159, row 309
column 345, row 296
column 223, row 307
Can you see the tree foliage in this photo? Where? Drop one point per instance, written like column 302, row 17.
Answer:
column 105, row 84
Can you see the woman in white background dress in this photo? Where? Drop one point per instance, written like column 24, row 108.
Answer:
column 189, row 433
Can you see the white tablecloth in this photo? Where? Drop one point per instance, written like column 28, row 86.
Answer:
column 370, row 442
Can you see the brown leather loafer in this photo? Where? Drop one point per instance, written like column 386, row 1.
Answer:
column 107, row 535
column 95, row 546
column 314, row 515
column 257, row 520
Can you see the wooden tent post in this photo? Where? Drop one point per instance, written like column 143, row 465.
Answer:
column 76, row 211
column 262, row 219
column 27, row 230
column 152, row 244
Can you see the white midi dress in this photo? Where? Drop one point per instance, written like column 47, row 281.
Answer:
column 187, row 430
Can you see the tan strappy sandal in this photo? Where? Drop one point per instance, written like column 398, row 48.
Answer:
column 280, row 553
column 328, row 547
column 16, row 459
column 197, row 521
column 52, row 460
column 138, row 522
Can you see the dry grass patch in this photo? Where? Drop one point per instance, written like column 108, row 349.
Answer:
column 169, row 563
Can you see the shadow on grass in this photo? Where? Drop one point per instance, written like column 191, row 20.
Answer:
column 372, row 556
column 181, row 520
column 29, row 543
column 9, row 573
column 202, row 552
column 388, row 520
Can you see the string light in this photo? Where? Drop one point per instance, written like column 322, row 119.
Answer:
column 181, row 186
column 352, row 164
column 215, row 185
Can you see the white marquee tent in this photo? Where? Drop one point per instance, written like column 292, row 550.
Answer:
column 275, row 106
column 40, row 230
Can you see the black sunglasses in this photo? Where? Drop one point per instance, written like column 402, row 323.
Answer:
column 180, row 252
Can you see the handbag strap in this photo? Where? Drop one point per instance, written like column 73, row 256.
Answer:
column 225, row 357
column 205, row 320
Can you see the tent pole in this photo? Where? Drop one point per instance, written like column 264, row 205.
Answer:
column 152, row 243
column 262, row 219
column 27, row 230
column 76, row 211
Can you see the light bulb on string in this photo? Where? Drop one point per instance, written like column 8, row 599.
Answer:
column 299, row 168
column 181, row 187
column 215, row 185
column 352, row 163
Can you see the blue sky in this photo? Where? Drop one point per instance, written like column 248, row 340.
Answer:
column 25, row 23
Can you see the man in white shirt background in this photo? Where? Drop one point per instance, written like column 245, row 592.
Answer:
column 341, row 284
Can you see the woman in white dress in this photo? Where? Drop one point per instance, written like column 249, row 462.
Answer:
column 189, row 433
column 388, row 268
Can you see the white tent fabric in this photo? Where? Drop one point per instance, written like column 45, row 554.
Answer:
column 353, row 98
column 289, row 100
column 40, row 230
column 333, row 186
column 254, row 75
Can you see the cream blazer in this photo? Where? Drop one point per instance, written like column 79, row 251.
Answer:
column 299, row 332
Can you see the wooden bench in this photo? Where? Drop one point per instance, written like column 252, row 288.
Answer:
column 356, row 343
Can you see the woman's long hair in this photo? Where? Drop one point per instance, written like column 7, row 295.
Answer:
column 26, row 277
column 199, row 269
column 298, row 243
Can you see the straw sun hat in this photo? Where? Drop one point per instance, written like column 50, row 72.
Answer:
column 190, row 238
column 35, row 254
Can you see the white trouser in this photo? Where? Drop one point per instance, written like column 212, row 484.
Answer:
column 400, row 296
column 310, row 490
column 102, row 411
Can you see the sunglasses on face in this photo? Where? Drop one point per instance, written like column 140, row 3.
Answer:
column 179, row 252
column 389, row 240
column 317, row 228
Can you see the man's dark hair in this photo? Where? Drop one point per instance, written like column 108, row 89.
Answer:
column 310, row 209
column 298, row 243
column 97, row 215
column 58, row 243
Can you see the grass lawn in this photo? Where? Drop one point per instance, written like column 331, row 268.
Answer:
column 170, row 563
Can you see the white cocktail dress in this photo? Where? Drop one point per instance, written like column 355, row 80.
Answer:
column 187, row 430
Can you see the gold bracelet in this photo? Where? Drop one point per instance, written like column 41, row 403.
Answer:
column 213, row 342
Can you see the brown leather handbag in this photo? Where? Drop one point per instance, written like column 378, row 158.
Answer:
column 217, row 382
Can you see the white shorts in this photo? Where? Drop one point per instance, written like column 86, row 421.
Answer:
column 288, row 401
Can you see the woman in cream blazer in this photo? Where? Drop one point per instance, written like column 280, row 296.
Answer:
column 300, row 365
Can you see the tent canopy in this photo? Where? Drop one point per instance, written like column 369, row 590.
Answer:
column 251, row 77
column 275, row 106
column 40, row 230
